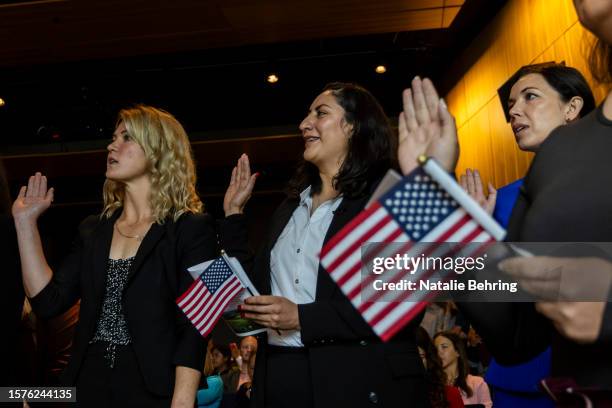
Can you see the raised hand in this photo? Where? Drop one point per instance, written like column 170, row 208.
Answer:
column 472, row 184
column 240, row 188
column 426, row 127
column 32, row 200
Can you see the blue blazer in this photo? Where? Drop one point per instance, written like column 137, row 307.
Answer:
column 506, row 198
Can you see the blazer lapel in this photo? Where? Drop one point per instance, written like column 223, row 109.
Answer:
column 101, row 251
column 279, row 221
column 156, row 232
column 348, row 209
column 281, row 218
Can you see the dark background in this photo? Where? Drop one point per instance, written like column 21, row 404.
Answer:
column 67, row 67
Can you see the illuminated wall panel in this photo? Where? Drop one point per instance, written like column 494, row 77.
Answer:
column 523, row 32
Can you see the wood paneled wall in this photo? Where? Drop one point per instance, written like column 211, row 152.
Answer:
column 524, row 32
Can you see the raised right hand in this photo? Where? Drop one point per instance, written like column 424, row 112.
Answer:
column 32, row 200
column 426, row 127
column 472, row 184
column 240, row 188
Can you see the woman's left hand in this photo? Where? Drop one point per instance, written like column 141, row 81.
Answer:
column 472, row 184
column 275, row 312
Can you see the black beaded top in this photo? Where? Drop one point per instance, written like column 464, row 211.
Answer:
column 112, row 326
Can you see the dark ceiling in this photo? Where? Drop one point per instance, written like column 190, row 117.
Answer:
column 66, row 67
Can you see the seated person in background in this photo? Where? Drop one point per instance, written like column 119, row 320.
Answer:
column 451, row 350
column 211, row 396
column 440, row 394
column 248, row 347
column 225, row 367
column 243, row 396
column 210, row 390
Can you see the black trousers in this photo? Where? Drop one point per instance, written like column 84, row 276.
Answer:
column 99, row 385
column 288, row 380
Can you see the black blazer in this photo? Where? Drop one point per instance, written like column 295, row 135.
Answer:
column 350, row 366
column 11, row 304
column 162, row 336
column 565, row 198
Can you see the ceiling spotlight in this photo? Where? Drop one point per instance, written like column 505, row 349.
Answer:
column 272, row 78
column 381, row 69
column 2, row 103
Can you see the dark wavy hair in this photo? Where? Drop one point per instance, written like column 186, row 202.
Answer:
column 567, row 81
column 463, row 368
column 600, row 61
column 436, row 377
column 371, row 145
column 226, row 352
column 5, row 196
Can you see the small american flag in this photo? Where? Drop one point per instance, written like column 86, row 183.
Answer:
column 416, row 209
column 209, row 295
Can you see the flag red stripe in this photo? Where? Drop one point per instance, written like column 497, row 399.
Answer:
column 357, row 244
column 392, row 330
column 459, row 223
column 220, row 292
column 200, row 296
column 204, row 307
column 203, row 299
column 348, row 274
column 404, row 295
column 349, row 228
column 447, row 234
column 216, row 307
column 184, row 295
column 371, row 277
column 221, row 305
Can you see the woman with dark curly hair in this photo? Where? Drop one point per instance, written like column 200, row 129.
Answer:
column 334, row 357
column 451, row 350
column 441, row 395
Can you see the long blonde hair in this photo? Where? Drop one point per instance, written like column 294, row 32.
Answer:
column 170, row 164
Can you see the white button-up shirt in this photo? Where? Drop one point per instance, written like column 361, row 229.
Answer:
column 294, row 260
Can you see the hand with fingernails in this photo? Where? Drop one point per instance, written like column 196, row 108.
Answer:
column 275, row 312
column 32, row 200
column 472, row 184
column 426, row 127
column 240, row 188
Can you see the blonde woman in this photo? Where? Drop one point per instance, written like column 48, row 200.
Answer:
column 132, row 347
